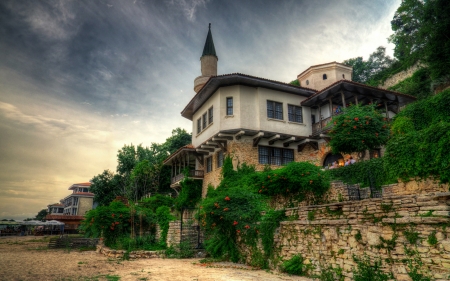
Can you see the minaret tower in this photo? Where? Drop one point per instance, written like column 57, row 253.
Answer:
column 208, row 62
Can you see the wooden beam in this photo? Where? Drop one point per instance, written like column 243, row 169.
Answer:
column 273, row 139
column 226, row 136
column 220, row 139
column 206, row 147
column 199, row 159
column 239, row 134
column 202, row 151
column 288, row 141
column 387, row 111
column 223, row 147
column 343, row 99
column 257, row 138
column 212, row 143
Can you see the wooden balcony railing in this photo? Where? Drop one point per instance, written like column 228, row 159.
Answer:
column 196, row 174
column 317, row 129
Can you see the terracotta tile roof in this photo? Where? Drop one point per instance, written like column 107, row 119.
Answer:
column 322, row 65
column 83, row 184
column 83, row 193
column 356, row 84
column 55, row 204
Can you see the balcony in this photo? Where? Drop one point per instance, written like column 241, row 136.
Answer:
column 193, row 174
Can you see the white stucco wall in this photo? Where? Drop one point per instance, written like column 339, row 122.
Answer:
column 250, row 112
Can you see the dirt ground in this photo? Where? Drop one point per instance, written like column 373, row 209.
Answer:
column 28, row 258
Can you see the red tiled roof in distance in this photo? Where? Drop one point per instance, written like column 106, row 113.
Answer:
column 83, row 184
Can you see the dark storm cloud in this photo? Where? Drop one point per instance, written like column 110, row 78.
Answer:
column 78, row 79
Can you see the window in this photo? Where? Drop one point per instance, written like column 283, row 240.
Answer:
column 199, row 125
column 229, row 106
column 343, row 76
column 209, row 164
column 324, row 77
column 313, row 118
column 295, row 113
column 204, row 121
column 307, row 82
column 210, row 115
column 274, row 110
column 219, row 159
column 275, row 156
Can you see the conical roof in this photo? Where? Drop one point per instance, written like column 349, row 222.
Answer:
column 209, row 49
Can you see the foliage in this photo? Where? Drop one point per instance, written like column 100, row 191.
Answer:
column 419, row 143
column 364, row 172
column 105, row 186
column 164, row 217
column 366, row 271
column 417, row 85
column 41, row 215
column 229, row 213
column 155, row 201
column 364, row 71
column 295, row 82
column 358, row 236
column 294, row 265
column 180, row 251
column 311, row 215
column 411, row 235
column 111, row 222
column 298, row 179
column 190, row 194
column 270, row 221
column 432, row 239
column 359, row 128
column 331, row 274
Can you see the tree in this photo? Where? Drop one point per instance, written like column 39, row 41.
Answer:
column 295, row 82
column 365, row 71
column 106, row 186
column 408, row 35
column 41, row 215
column 358, row 129
column 178, row 139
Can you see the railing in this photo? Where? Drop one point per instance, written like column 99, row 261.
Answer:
column 196, row 174
column 317, row 129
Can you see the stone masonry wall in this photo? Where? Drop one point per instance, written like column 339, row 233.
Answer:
column 397, row 78
column 336, row 232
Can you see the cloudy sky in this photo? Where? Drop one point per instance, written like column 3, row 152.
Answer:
column 79, row 79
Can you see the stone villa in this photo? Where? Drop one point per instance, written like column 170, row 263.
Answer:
column 264, row 122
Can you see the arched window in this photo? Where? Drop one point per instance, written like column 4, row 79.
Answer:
column 307, row 82
column 324, row 77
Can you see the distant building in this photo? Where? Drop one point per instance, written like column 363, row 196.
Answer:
column 55, row 209
column 72, row 208
column 264, row 122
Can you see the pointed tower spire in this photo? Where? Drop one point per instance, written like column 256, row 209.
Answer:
column 208, row 62
column 209, row 49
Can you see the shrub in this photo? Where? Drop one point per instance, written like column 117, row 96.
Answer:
column 359, row 128
column 294, row 266
column 366, row 271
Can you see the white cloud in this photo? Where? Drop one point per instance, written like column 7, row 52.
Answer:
column 188, row 7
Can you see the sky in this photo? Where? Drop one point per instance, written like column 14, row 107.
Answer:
column 79, row 79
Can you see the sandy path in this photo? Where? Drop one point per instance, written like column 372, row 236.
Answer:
column 27, row 258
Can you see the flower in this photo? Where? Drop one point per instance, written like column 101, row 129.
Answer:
column 112, row 215
column 235, row 223
column 225, row 209
column 117, row 222
column 354, row 127
column 356, row 118
column 227, row 198
column 247, row 226
column 238, row 231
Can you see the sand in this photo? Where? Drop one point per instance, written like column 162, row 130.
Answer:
column 28, row 258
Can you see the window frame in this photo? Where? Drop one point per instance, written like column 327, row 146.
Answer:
column 208, row 164
column 294, row 115
column 199, row 125
column 220, row 158
column 276, row 156
column 210, row 115
column 324, row 76
column 229, row 107
column 274, row 113
column 204, row 121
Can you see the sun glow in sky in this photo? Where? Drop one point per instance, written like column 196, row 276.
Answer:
column 79, row 79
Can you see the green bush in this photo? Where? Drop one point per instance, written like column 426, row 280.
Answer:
column 359, row 128
column 294, row 266
column 418, row 85
column 419, row 143
column 297, row 179
column 366, row 271
column 270, row 221
column 364, row 172
column 190, row 194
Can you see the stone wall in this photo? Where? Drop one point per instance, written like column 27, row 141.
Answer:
column 336, row 232
column 414, row 187
column 118, row 254
column 399, row 77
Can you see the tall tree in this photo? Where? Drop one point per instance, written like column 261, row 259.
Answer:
column 41, row 215
column 106, row 186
